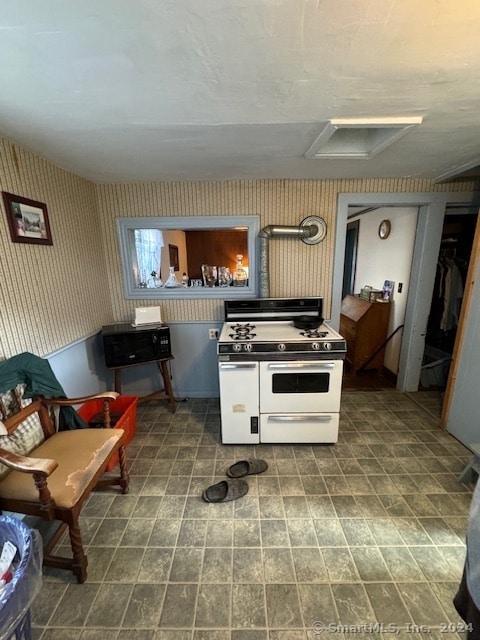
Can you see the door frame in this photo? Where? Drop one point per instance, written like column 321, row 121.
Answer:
column 462, row 333
column 431, row 212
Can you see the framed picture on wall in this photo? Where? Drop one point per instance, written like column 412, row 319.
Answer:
column 173, row 253
column 27, row 219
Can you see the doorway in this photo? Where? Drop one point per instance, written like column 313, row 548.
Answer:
column 373, row 261
column 450, row 280
column 428, row 236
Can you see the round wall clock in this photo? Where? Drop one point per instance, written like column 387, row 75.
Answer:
column 384, row 229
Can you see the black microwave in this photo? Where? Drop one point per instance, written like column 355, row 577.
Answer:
column 125, row 345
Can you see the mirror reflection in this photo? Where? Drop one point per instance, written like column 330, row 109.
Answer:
column 191, row 258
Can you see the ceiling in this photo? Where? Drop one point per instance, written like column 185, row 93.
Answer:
column 141, row 90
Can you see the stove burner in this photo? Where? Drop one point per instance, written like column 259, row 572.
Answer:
column 242, row 332
column 313, row 333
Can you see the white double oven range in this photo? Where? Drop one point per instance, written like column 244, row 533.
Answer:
column 280, row 371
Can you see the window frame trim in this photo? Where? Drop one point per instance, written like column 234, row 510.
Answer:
column 126, row 243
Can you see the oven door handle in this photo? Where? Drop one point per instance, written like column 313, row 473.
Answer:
column 251, row 365
column 300, row 418
column 300, row 365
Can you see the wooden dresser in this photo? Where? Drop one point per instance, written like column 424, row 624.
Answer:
column 364, row 325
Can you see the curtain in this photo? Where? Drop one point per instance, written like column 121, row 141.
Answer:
column 148, row 248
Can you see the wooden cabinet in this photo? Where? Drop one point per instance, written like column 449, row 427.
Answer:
column 364, row 325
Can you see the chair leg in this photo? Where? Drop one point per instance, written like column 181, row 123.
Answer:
column 80, row 561
column 124, row 476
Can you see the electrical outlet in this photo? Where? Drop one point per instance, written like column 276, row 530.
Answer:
column 213, row 334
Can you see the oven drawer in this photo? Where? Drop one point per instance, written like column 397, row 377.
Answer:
column 239, row 402
column 301, row 386
column 319, row 428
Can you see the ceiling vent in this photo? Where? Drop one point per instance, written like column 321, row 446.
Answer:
column 359, row 137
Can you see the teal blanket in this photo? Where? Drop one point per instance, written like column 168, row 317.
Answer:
column 36, row 373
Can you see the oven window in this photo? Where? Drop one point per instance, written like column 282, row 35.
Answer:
column 300, row 382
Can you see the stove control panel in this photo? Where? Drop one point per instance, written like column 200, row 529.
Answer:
column 281, row 347
column 237, row 347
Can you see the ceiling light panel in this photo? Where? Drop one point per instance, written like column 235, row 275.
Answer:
column 359, row 137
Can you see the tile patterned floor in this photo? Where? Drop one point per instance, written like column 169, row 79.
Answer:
column 369, row 531
column 431, row 400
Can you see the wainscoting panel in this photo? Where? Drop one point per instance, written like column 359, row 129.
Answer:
column 195, row 370
column 80, row 367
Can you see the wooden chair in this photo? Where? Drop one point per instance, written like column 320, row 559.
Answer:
column 54, row 479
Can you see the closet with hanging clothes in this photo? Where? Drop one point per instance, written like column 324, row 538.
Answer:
column 451, row 273
column 448, row 291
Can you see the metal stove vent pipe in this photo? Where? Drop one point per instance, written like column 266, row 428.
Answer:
column 312, row 230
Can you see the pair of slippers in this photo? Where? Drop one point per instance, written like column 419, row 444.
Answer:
column 235, row 487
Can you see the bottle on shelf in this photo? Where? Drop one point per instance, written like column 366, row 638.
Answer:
column 172, row 281
column 155, row 281
column 239, row 275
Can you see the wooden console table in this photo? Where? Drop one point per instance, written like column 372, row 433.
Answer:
column 364, row 325
column 162, row 394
